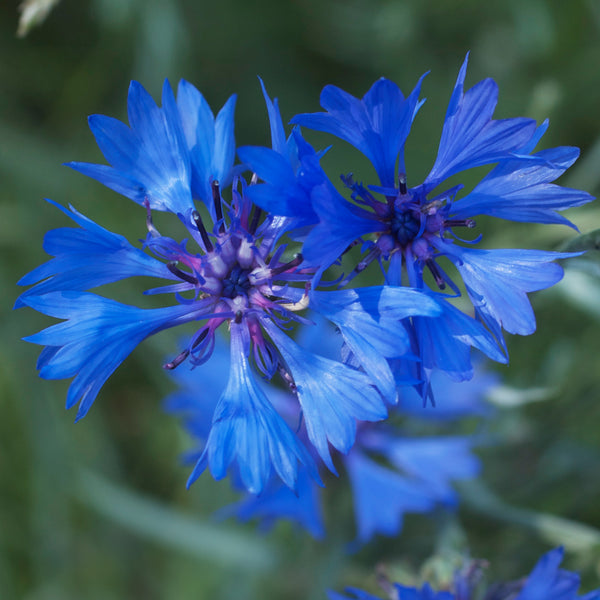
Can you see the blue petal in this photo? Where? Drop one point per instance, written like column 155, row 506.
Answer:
column 332, row 395
column 195, row 115
column 95, row 339
column 391, row 118
column 118, row 143
column 549, row 582
column 122, row 182
column 436, row 462
column 453, row 400
column 498, row 282
column 247, row 429
column 211, row 142
column 287, row 188
column 149, row 160
column 470, row 137
column 279, row 502
column 370, row 321
column 278, row 141
column 521, row 190
column 340, row 224
column 224, row 151
column 444, row 342
column 356, row 595
column 382, row 496
column 200, row 388
column 425, row 593
column 86, row 258
column 271, row 166
column 377, row 125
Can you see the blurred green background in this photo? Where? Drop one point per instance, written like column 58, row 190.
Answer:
column 99, row 510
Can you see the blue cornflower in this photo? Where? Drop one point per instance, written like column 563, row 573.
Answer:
column 407, row 230
column 550, row 582
column 546, row 582
column 399, row 591
column 236, row 277
column 392, row 473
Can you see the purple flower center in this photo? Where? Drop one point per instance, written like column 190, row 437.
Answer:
column 404, row 226
column 237, row 283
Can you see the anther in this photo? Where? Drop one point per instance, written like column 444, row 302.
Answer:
column 287, row 377
column 287, row 266
column 402, row 183
column 469, row 223
column 238, row 316
column 255, row 218
column 202, row 230
column 216, row 194
column 435, row 271
column 361, row 266
column 177, row 360
column 149, row 224
column 200, row 338
column 302, row 303
column 432, row 207
column 172, row 266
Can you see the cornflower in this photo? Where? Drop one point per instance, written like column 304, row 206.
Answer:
column 546, row 581
column 407, row 230
column 236, row 277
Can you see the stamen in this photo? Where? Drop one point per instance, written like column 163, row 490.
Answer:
column 469, row 223
column 238, row 317
column 255, row 218
column 402, row 183
column 287, row 266
column 287, row 378
column 350, row 246
column 202, row 230
column 435, row 271
column 172, row 266
column 432, row 207
column 361, row 266
column 301, row 304
column 177, row 360
column 149, row 224
column 200, row 338
column 216, row 194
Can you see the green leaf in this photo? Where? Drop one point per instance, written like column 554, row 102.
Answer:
column 165, row 525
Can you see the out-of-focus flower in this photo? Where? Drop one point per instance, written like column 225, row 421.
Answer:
column 546, row 582
column 392, row 472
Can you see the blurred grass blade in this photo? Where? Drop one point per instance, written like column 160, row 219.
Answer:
column 155, row 521
column 575, row 536
column 33, row 13
column 587, row 241
column 582, row 288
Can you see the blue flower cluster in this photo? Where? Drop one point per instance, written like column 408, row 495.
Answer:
column 392, row 470
column 547, row 581
column 256, row 252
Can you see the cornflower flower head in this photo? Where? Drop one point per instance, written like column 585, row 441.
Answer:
column 408, row 229
column 229, row 273
column 547, row 581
